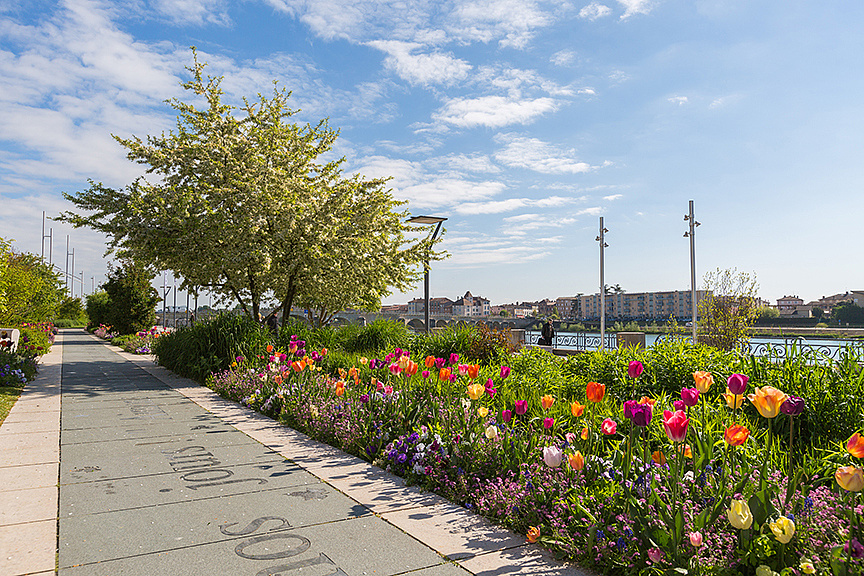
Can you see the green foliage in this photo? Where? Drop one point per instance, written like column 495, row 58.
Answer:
column 380, row 335
column 210, row 345
column 30, row 291
column 131, row 299
column 98, row 309
column 847, row 313
column 729, row 310
column 71, row 309
column 33, row 341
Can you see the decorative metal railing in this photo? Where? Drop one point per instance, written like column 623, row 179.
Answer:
column 573, row 340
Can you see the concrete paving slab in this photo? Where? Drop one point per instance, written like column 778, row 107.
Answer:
column 28, row 505
column 111, row 495
column 29, row 476
column 351, row 547
column 28, row 548
column 17, row 417
column 130, row 458
column 92, row 538
column 527, row 559
column 29, row 440
column 25, row 456
column 446, row 569
column 383, row 492
column 27, row 426
column 132, row 411
column 38, row 404
column 454, row 532
column 151, row 429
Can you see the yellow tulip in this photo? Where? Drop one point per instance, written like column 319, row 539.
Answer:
column 703, row 381
column 547, row 401
column 733, row 400
column 783, row 529
column 850, row 478
column 768, row 400
column 492, row 432
column 475, row 391
column 739, row 515
column 577, row 461
column 533, row 534
column 483, row 411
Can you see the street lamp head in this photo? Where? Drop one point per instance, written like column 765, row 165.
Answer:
column 426, row 219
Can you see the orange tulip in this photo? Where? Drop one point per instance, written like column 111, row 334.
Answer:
column 411, row 368
column 352, row 372
column 688, row 452
column 342, row 372
column 647, row 400
column 547, row 401
column 577, row 461
column 855, row 445
column 340, row 388
column 277, row 379
column 595, row 391
column 768, row 400
column 733, row 400
column 576, row 408
column 475, row 391
column 584, row 434
column 430, row 361
column 473, row 371
column 659, row 458
column 298, row 365
column 703, row 380
column 736, row 435
column 444, row 374
column 269, row 348
column 850, row 478
column 533, row 534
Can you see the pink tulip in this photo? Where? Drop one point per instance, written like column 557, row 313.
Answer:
column 678, row 405
column 425, row 374
column 737, row 383
column 655, row 555
column 506, row 415
column 505, row 372
column 675, row 424
column 696, row 539
column 521, row 407
column 548, row 423
column 609, row 426
column 635, row 369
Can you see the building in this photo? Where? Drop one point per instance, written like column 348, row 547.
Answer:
column 437, row 306
column 793, row 306
column 641, row 305
column 520, row 309
column 826, row 303
column 568, row 307
column 470, row 305
column 546, row 307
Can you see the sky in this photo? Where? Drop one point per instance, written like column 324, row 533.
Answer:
column 523, row 122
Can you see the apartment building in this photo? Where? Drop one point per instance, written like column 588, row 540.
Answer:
column 641, row 305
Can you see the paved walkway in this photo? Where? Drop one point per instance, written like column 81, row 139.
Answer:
column 111, row 465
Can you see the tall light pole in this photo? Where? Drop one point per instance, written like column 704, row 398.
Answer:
column 692, row 235
column 602, row 239
column 438, row 221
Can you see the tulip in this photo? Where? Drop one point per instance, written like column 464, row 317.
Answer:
column 454, row 377
column 806, row 566
column 429, row 362
column 678, row 405
column 675, row 425
column 765, row 570
column 855, row 445
column 388, row 390
column 584, row 434
column 736, row 435
column 655, row 555
column 628, row 408
column 767, row 400
column 739, row 515
column 783, row 529
column 340, row 388
column 365, row 361
column 473, row 371
column 658, row 457
column 475, row 391
column 547, row 401
column 793, row 406
column 641, row 414
column 634, row 369
column 647, row 400
column 609, row 426
column 577, row 461
column 703, row 380
column 576, row 408
column 688, row 452
column 425, row 374
column 552, row 456
column 690, row 396
column 462, row 369
column 411, row 368
column 850, row 478
column 521, row 407
column 364, row 398
column 506, row 415
column 439, row 362
column 533, row 534
column 696, row 539
column 482, row 411
column 444, row 374
column 548, row 423
column 454, row 358
column 492, row 432
column 734, row 401
column 595, row 391
column 505, row 372
column 737, row 383
column 490, row 389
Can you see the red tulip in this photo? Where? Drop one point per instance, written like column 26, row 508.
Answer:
column 609, row 426
column 675, row 425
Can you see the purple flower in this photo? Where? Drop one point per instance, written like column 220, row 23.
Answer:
column 364, row 398
column 505, row 371
column 641, row 414
column 454, row 358
column 690, row 396
column 506, row 415
column 678, row 405
column 521, row 407
column 628, row 408
column 793, row 406
column 737, row 383
column 634, row 369
column 439, row 362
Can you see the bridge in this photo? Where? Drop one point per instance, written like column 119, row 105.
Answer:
column 417, row 321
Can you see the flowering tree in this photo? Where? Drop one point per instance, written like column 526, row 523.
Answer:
column 726, row 315
column 242, row 204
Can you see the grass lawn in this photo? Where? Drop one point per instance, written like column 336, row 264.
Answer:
column 8, row 396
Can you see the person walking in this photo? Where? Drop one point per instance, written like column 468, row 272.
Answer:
column 547, row 334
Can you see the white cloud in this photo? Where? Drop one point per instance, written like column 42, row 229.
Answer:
column 563, row 58
column 196, row 12
column 510, row 204
column 511, row 21
column 679, row 100
column 594, row 11
column 534, row 154
column 613, row 197
column 469, row 163
column 424, row 69
column 493, row 111
column 633, row 7
column 525, row 223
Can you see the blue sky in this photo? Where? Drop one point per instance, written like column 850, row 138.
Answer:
column 522, row 121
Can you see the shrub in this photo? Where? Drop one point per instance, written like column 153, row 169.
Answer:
column 210, row 345
column 16, row 369
column 98, row 308
column 380, row 335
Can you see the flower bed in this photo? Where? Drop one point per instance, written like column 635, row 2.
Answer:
column 713, row 479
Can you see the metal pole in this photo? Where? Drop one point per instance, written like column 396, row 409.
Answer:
column 66, row 264
column 426, row 284
column 692, row 234
column 164, row 300
column 602, row 239
column 174, row 312
column 43, row 236
column 72, row 277
column 51, row 246
column 92, row 284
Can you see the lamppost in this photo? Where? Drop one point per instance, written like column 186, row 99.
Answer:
column 692, row 235
column 437, row 220
column 601, row 239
